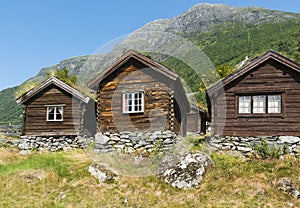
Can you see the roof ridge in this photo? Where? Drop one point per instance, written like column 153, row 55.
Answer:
column 59, row 83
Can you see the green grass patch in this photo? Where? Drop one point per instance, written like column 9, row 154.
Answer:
column 50, row 162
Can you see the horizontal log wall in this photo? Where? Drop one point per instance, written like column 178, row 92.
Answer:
column 267, row 79
column 133, row 76
column 193, row 122
column 36, row 112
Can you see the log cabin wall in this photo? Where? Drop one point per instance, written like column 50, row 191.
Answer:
column 36, row 112
column 178, row 118
column 193, row 121
column 134, row 76
column 270, row 77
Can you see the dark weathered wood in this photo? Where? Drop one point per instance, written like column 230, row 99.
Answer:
column 271, row 75
column 134, row 74
column 36, row 113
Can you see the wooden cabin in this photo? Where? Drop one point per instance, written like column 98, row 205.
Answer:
column 196, row 120
column 138, row 94
column 54, row 108
column 261, row 99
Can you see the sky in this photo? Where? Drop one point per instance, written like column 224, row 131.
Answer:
column 38, row 33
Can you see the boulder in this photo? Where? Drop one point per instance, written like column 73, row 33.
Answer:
column 184, row 170
column 101, row 139
column 287, row 186
column 100, row 173
column 3, row 141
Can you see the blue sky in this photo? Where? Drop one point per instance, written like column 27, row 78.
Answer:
column 39, row 33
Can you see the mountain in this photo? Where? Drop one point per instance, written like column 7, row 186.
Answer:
column 218, row 34
column 9, row 110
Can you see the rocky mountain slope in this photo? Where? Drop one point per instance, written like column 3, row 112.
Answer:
column 223, row 35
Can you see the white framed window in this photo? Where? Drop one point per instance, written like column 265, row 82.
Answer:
column 274, row 103
column 259, row 104
column 133, row 102
column 244, row 104
column 54, row 113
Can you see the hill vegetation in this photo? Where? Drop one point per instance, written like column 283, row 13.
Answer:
column 10, row 111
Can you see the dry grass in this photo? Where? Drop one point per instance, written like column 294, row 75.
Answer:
column 62, row 180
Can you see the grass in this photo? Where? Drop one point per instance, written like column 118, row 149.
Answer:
column 62, row 180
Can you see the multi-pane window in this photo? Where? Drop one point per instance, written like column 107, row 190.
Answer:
column 274, row 104
column 259, row 104
column 133, row 102
column 54, row 113
column 244, row 104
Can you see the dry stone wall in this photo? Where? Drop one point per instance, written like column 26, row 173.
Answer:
column 130, row 142
column 52, row 143
column 245, row 145
column 125, row 142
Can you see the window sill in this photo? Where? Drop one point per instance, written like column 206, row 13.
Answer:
column 129, row 113
column 55, row 121
column 261, row 115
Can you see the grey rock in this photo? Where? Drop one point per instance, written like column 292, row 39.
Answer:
column 227, row 144
column 124, row 136
column 3, row 141
column 25, row 152
column 244, row 149
column 100, row 174
column 111, row 142
column 149, row 146
column 101, row 139
column 125, row 140
column 187, row 171
column 287, row 186
column 119, row 146
column 218, row 146
column 168, row 141
column 225, row 148
column 288, row 139
column 116, row 138
column 15, row 142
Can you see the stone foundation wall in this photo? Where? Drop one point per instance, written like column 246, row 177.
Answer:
column 245, row 144
column 52, row 143
column 130, row 142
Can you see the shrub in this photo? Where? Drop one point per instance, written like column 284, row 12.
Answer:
column 266, row 150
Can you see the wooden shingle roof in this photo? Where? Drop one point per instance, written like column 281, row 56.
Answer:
column 94, row 83
column 252, row 65
column 52, row 81
column 160, row 69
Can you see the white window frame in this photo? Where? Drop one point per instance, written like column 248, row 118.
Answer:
column 129, row 100
column 274, row 104
column 55, row 107
column 259, row 104
column 244, row 105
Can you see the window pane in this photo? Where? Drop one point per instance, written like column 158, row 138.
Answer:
column 132, row 102
column 244, row 104
column 259, row 104
column 58, row 113
column 50, row 113
column 274, row 103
